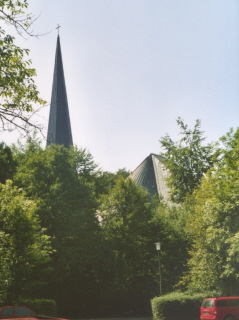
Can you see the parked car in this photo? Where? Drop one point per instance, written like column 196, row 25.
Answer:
column 223, row 308
column 13, row 312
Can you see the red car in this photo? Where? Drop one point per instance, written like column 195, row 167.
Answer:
column 21, row 313
column 223, row 308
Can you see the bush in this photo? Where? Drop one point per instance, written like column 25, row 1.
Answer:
column 40, row 306
column 177, row 306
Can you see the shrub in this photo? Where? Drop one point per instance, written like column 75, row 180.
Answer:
column 177, row 306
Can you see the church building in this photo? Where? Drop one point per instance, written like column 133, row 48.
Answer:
column 151, row 173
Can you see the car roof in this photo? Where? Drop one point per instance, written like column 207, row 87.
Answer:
column 221, row 298
column 1, row 308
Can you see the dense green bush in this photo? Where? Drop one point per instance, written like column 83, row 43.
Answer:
column 177, row 306
column 40, row 306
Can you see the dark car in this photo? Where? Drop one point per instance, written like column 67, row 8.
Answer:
column 14, row 312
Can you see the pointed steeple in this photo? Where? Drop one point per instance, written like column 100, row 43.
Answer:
column 59, row 126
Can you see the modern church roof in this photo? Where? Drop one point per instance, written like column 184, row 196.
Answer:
column 59, row 127
column 152, row 174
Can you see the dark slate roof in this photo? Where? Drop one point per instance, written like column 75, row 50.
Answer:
column 152, row 174
column 59, row 127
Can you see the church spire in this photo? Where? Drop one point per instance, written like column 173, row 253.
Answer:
column 59, row 126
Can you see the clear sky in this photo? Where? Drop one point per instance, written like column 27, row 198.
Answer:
column 132, row 67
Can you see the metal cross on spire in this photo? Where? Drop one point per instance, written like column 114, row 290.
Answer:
column 58, row 27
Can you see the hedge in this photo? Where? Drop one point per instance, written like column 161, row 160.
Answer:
column 40, row 306
column 177, row 306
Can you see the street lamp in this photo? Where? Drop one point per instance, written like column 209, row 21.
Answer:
column 158, row 248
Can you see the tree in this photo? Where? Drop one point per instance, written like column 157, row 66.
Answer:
column 7, row 163
column 24, row 247
column 18, row 91
column 169, row 230
column 213, row 224
column 132, row 223
column 187, row 160
column 125, row 215
column 62, row 181
column 107, row 180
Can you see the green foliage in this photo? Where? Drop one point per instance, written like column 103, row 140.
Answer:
column 62, row 181
column 213, row 224
column 177, row 305
column 187, row 160
column 107, row 180
column 125, row 216
column 7, row 164
column 39, row 306
column 126, row 207
column 24, row 247
column 169, row 229
column 18, row 90
column 13, row 13
column 131, row 224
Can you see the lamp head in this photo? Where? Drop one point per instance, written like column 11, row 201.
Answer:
column 158, row 246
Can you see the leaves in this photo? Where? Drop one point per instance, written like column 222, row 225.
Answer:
column 187, row 160
column 132, row 223
column 18, row 92
column 213, row 223
column 7, row 163
column 24, row 247
column 62, row 181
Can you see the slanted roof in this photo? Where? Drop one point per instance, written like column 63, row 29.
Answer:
column 152, row 174
column 59, row 127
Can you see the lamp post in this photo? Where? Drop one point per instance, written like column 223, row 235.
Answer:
column 158, row 248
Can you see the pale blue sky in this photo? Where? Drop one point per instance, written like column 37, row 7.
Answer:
column 132, row 67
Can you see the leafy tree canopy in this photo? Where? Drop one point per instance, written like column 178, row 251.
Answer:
column 125, row 216
column 107, row 180
column 18, row 93
column 213, row 224
column 24, row 248
column 187, row 160
column 62, row 181
column 7, row 163
column 132, row 223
